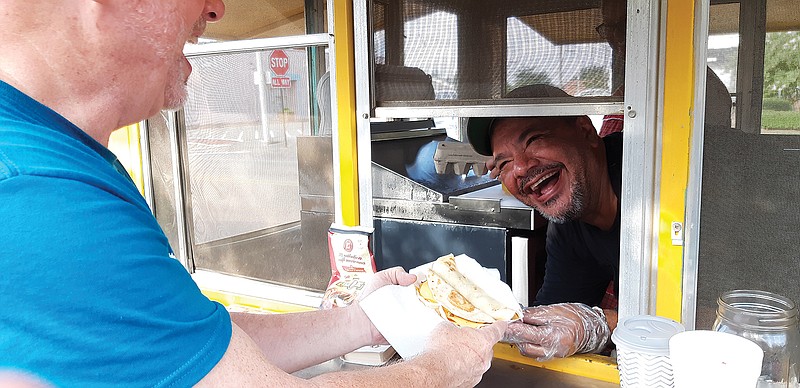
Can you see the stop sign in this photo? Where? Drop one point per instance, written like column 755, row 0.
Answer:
column 279, row 62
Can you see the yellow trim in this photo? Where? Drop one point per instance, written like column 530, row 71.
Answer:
column 124, row 143
column 346, row 108
column 678, row 104
column 589, row 365
column 252, row 303
column 586, row 365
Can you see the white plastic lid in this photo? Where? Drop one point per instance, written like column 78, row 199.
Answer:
column 646, row 334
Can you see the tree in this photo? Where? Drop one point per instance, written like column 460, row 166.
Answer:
column 528, row 76
column 594, row 77
column 782, row 65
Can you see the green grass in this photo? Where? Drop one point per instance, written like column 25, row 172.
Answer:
column 771, row 119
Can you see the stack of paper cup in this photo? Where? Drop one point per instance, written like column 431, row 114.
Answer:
column 704, row 358
column 643, row 351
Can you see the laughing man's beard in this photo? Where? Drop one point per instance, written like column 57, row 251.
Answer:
column 573, row 211
column 575, row 207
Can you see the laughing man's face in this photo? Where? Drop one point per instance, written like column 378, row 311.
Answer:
column 543, row 162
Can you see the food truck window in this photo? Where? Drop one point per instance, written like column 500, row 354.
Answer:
column 749, row 213
column 243, row 175
column 257, row 140
column 477, row 50
column 578, row 60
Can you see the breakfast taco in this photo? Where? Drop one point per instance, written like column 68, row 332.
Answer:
column 465, row 293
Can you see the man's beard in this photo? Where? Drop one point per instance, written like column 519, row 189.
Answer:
column 573, row 211
column 160, row 23
column 574, row 208
column 176, row 91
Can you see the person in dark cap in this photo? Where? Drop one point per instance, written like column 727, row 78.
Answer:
column 561, row 167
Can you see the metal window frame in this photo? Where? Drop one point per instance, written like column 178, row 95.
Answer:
column 641, row 157
column 243, row 46
column 641, row 160
column 366, row 107
column 504, row 110
column 691, row 252
column 363, row 71
column 750, row 64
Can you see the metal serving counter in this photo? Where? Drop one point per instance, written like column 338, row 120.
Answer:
column 503, row 373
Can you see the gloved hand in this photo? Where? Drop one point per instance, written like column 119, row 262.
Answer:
column 559, row 330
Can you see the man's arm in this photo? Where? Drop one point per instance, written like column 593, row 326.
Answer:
column 266, row 347
column 454, row 357
column 558, row 329
column 611, row 319
column 17, row 379
column 296, row 341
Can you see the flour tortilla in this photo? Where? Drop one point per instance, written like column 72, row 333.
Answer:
column 465, row 293
column 426, row 296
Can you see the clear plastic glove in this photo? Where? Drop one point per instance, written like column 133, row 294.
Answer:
column 559, row 330
column 460, row 356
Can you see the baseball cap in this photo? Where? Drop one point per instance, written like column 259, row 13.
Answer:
column 479, row 129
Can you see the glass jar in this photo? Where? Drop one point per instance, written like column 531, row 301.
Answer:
column 771, row 321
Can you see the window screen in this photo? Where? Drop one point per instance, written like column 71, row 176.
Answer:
column 241, row 138
column 245, row 116
column 750, row 206
column 467, row 50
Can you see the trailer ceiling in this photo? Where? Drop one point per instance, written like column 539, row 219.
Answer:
column 250, row 19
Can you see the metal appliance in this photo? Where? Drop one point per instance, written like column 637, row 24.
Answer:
column 420, row 215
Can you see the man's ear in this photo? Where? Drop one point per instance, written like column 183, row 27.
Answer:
column 588, row 130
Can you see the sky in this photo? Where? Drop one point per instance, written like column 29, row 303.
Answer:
column 723, row 41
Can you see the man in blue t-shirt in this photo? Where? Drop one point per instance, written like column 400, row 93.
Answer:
column 563, row 169
column 90, row 294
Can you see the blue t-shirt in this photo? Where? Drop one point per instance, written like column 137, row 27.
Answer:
column 89, row 293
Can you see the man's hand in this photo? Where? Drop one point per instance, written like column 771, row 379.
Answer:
column 491, row 165
column 394, row 275
column 559, row 330
column 460, row 356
